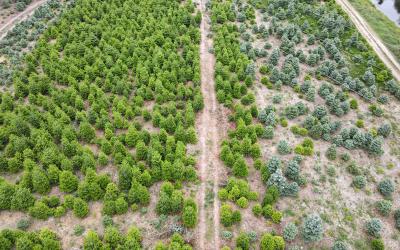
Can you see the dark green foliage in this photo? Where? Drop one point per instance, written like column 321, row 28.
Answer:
column 331, row 153
column 170, row 200
column 229, row 216
column 80, row 208
column 374, row 227
column 284, row 147
column 86, row 132
column 386, row 187
column 6, row 195
column 40, row 210
column 272, row 242
column 384, row 207
column 359, row 181
column 312, row 228
column 22, row 199
column 290, row 232
column 189, row 214
column 243, row 241
column 40, row 181
column 339, row 245
column 68, row 182
column 377, row 244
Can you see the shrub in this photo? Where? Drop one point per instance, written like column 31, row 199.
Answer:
column 290, row 231
column 397, row 218
column 228, row 216
column 92, row 241
column 243, row 241
column 240, row 168
column 374, row 227
column 284, row 148
column 121, row 206
column 271, row 196
column 86, row 132
column 23, row 224
column 252, row 236
column 345, row 157
column 79, row 230
column 276, row 217
column 377, row 244
column 385, row 130
column 384, row 207
column 360, row 123
column 268, row 132
column 40, row 210
column 386, row 187
column 339, row 245
column 189, row 215
column 292, row 170
column 331, row 153
column 353, row 104
column 6, row 195
column 59, row 211
column 68, row 182
column 227, row 235
column 107, row 221
column 312, row 228
column 270, row 242
column 264, row 69
column 359, row 181
column 257, row 210
column 40, row 181
column 22, row 199
column 242, row 202
column 276, row 99
column 81, row 208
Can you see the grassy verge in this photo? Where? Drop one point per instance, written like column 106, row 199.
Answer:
column 382, row 25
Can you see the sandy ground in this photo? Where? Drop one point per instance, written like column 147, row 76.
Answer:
column 210, row 129
column 9, row 22
column 384, row 54
column 344, row 208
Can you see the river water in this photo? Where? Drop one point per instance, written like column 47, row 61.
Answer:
column 391, row 8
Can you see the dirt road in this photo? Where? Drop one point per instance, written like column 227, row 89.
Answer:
column 210, row 130
column 9, row 24
column 384, row 54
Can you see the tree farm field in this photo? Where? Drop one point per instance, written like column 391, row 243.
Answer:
column 196, row 124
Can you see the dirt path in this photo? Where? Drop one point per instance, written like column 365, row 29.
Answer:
column 210, row 131
column 384, row 54
column 5, row 27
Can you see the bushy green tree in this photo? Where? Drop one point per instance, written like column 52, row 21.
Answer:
column 384, row 207
column 92, row 241
column 22, row 199
column 359, row 181
column 339, row 245
column 331, row 153
column 284, row 148
column 243, row 241
column 312, row 228
column 6, row 195
column 40, row 181
column 229, row 216
column 40, row 210
column 271, row 242
column 374, row 227
column 86, row 132
column 80, row 208
column 290, row 232
column 68, row 181
column 386, row 187
column 189, row 214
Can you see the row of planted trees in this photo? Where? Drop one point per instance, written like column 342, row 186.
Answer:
column 110, row 83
